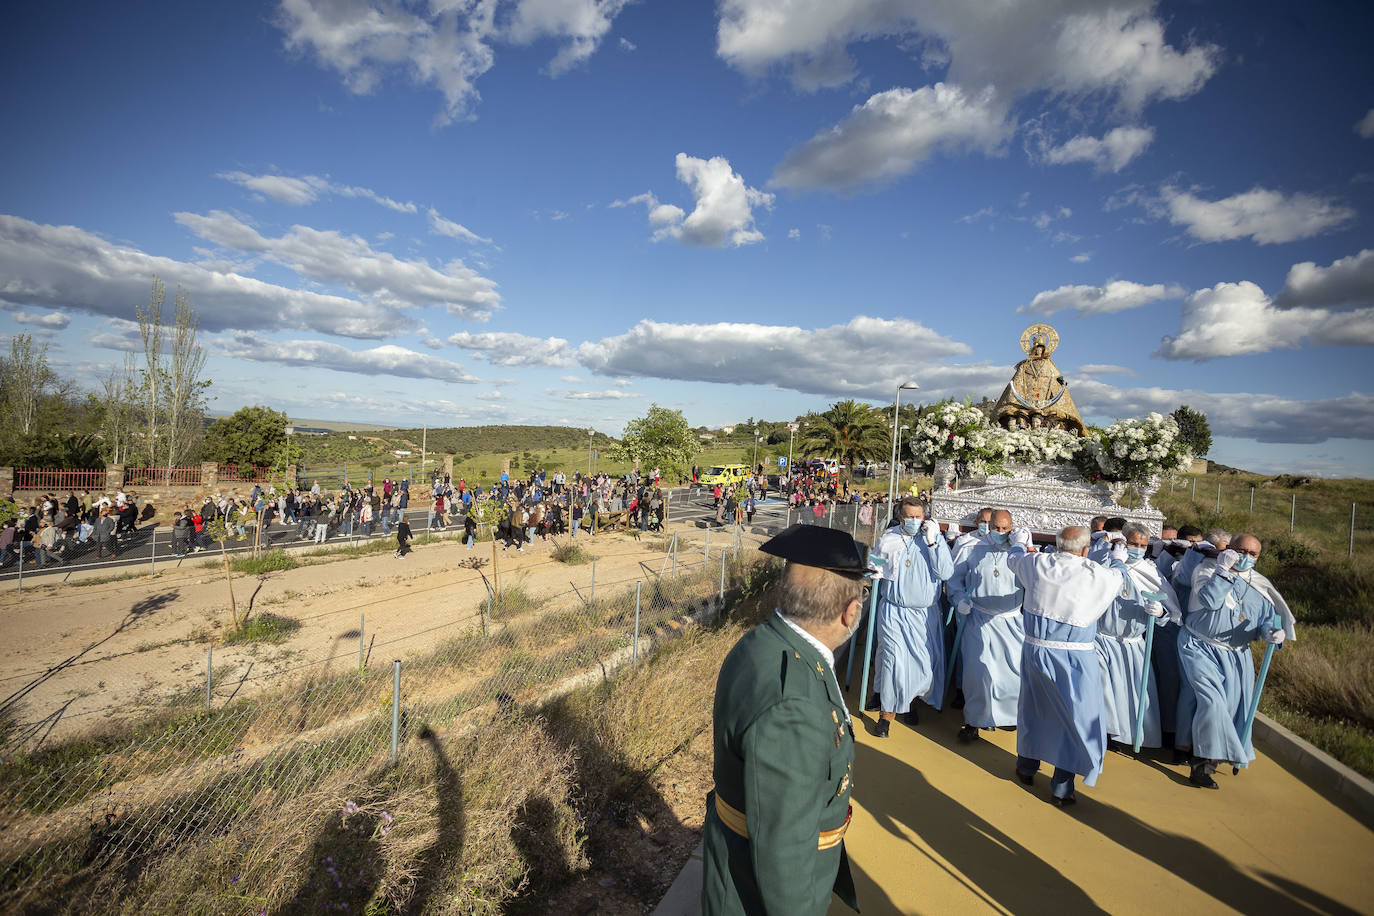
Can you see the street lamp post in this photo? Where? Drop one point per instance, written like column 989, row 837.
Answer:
column 892, row 466
column 905, row 426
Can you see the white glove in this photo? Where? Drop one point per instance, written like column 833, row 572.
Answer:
column 1155, row 609
column 1119, row 551
column 1276, row 638
column 1226, row 560
column 963, row 607
column 1021, row 538
column 1116, row 537
column 931, row 529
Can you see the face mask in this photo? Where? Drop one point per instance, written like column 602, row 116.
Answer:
column 982, row 527
column 1245, row 563
column 911, row 525
column 1000, row 537
column 1135, row 553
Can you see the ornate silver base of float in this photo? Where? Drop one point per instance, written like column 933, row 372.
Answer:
column 1044, row 498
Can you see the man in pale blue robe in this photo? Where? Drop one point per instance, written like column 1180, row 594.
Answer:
column 1235, row 605
column 1216, row 541
column 983, row 590
column 1059, row 714
column 1164, row 661
column 1099, row 551
column 911, row 662
column 1121, row 644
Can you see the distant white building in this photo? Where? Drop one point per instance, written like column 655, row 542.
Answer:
column 401, row 452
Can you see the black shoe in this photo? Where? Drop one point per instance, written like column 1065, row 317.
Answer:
column 1063, row 802
column 882, row 728
column 911, row 717
column 1027, row 779
column 968, row 734
column 1201, row 779
column 874, row 704
column 1182, row 757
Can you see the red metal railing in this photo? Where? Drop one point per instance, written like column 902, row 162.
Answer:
column 55, row 479
column 230, row 473
column 164, row 477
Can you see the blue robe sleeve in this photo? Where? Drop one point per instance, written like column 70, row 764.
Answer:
column 957, row 586
column 941, row 563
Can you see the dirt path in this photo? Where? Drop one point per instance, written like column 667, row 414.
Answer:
column 82, row 655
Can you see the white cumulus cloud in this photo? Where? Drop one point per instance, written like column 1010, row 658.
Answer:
column 1268, row 217
column 1232, row 319
column 67, row 267
column 505, row 348
column 1110, row 154
column 309, row 188
column 387, row 359
column 1244, row 414
column 723, row 213
column 892, row 133
column 443, row 45
column 55, row 321
column 851, row 359
column 1066, row 46
column 1116, row 296
column 349, row 260
column 440, row 226
column 1347, row 283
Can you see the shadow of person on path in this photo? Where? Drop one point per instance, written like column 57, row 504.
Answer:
column 989, row 863
column 1186, row 857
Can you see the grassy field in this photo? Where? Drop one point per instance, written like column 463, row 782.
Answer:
column 1321, row 686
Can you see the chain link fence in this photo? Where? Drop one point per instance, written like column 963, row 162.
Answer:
column 88, row 800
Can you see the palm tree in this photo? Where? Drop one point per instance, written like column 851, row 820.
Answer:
column 849, row 431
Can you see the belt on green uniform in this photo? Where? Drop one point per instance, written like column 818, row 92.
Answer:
column 734, row 819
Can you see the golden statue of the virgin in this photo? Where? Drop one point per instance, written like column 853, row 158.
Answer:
column 1037, row 396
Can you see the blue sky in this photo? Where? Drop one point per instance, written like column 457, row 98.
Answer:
column 560, row 211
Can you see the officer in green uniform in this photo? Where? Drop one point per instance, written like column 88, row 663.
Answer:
column 784, row 744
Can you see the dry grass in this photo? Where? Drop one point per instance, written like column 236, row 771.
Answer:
column 229, row 813
column 1328, row 674
column 1322, row 686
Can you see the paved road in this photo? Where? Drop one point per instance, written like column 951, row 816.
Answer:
column 686, row 507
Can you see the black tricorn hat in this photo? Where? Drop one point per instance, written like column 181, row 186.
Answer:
column 827, row 548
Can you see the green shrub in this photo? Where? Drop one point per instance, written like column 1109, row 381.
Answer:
column 569, row 552
column 267, row 628
column 268, row 561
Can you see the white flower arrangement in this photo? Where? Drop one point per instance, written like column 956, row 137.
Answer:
column 1134, row 450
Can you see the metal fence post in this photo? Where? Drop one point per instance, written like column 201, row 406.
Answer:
column 854, row 523
column 1351, row 552
column 593, row 589
column 209, row 675
column 634, row 652
column 674, row 548
column 395, row 708
column 362, row 659
column 152, row 556
column 722, row 576
column 1293, row 514
column 831, row 522
column 1252, row 500
column 706, row 549
column 486, row 616
column 1218, row 497
column 21, row 567
column 1194, row 496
